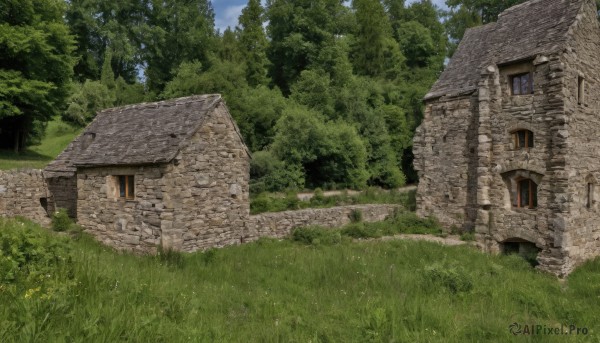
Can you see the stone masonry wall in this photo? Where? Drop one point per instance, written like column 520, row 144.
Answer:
column 208, row 188
column 580, row 60
column 124, row 224
column 23, row 193
column 281, row 224
column 445, row 149
column 63, row 191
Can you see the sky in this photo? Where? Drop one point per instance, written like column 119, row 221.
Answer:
column 228, row 11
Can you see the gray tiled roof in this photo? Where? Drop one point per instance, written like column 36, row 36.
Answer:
column 136, row 134
column 522, row 31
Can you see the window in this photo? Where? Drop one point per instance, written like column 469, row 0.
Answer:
column 526, row 194
column 580, row 90
column 126, row 186
column 522, row 84
column 590, row 195
column 523, row 139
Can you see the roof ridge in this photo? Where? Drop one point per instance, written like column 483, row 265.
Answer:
column 168, row 102
column 518, row 6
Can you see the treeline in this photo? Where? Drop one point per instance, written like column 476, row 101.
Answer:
column 324, row 94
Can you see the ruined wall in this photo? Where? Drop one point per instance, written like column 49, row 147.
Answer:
column 24, row 193
column 281, row 224
column 63, row 194
column 208, row 188
column 445, row 148
column 582, row 236
column 124, row 224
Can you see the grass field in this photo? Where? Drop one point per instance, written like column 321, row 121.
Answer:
column 58, row 136
column 284, row 291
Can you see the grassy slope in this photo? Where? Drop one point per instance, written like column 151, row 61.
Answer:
column 58, row 136
column 288, row 292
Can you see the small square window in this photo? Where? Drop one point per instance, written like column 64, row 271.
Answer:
column 126, row 186
column 522, row 84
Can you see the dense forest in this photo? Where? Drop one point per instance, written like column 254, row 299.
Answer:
column 326, row 93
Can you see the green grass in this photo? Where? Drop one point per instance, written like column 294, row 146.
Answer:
column 274, row 202
column 58, row 136
column 284, row 291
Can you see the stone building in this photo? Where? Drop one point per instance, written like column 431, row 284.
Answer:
column 508, row 146
column 172, row 174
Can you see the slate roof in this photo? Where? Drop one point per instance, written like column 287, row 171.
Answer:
column 521, row 32
column 138, row 134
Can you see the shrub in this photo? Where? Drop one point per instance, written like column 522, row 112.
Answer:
column 355, row 216
column 61, row 220
column 452, row 278
column 33, row 259
column 409, row 222
column 361, row 230
column 316, row 235
column 467, row 236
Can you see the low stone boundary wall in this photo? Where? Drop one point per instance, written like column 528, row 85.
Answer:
column 281, row 224
column 24, row 193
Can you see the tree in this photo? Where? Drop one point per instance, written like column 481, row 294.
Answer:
column 87, row 99
column 36, row 65
column 298, row 31
column 177, row 31
column 328, row 152
column 254, row 43
column 375, row 53
column 98, row 25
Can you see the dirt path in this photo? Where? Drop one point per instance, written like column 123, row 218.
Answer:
column 450, row 240
column 307, row 195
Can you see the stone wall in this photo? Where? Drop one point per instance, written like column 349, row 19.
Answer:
column 24, row 193
column 121, row 223
column 197, row 201
column 63, row 191
column 281, row 224
column 580, row 60
column 445, row 159
column 208, row 188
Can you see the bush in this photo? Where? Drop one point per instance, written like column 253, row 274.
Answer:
column 452, row 278
column 467, row 236
column 33, row 260
column 409, row 222
column 361, row 230
column 355, row 216
column 314, row 235
column 61, row 221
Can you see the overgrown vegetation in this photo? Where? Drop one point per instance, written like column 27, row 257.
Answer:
column 400, row 222
column 274, row 202
column 377, row 291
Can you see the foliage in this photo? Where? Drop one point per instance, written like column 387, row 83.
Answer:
column 33, row 262
column 269, row 174
column 327, row 152
column 276, row 290
column 355, row 216
column 275, row 202
column 253, row 43
column 316, row 236
column 35, row 68
column 57, row 136
column 61, row 220
column 86, row 101
column 454, row 279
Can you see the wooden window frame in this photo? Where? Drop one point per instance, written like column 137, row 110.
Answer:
column 129, row 193
column 519, row 76
column 529, row 136
column 530, row 184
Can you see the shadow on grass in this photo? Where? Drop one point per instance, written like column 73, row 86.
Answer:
column 25, row 159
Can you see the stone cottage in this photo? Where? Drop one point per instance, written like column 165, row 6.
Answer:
column 171, row 173
column 508, row 146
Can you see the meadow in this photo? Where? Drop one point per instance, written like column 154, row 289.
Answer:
column 57, row 136
column 68, row 288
